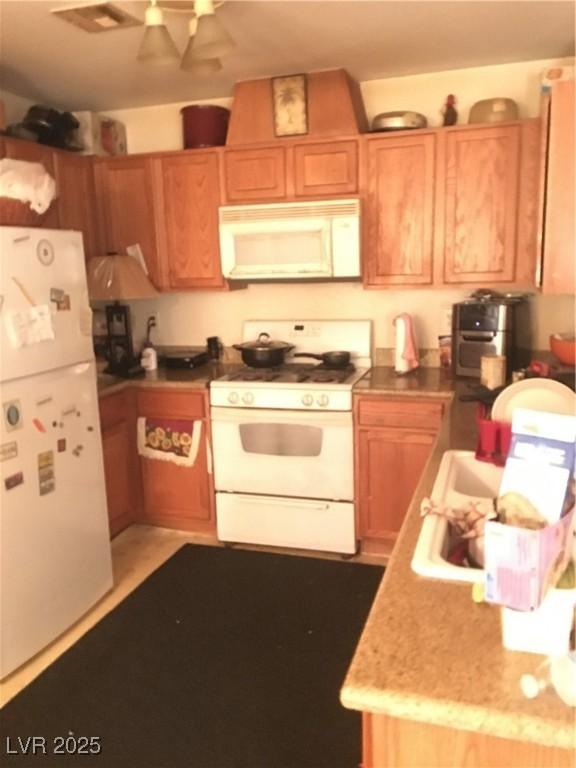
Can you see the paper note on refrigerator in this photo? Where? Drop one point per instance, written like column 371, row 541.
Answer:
column 30, row 326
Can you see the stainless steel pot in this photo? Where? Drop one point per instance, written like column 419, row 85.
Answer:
column 398, row 121
column 263, row 353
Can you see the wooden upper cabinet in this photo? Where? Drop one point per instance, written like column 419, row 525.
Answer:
column 16, row 149
column 559, row 248
column 399, row 212
column 190, row 195
column 326, row 168
column 126, row 204
column 479, row 187
column 76, row 197
column 253, row 175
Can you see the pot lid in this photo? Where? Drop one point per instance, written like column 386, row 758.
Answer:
column 264, row 343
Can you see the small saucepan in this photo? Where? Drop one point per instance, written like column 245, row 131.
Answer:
column 334, row 360
column 264, row 352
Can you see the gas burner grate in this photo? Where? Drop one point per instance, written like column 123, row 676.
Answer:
column 256, row 374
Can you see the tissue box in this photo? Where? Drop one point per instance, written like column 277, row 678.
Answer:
column 521, row 564
column 99, row 135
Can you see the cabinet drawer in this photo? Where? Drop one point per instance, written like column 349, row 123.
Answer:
column 408, row 414
column 162, row 403
column 114, row 409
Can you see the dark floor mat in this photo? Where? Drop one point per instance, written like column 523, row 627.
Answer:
column 221, row 659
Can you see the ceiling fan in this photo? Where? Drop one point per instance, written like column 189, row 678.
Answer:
column 208, row 40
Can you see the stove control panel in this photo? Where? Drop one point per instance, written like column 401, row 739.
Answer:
column 279, row 397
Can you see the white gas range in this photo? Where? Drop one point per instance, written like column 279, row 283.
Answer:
column 283, row 441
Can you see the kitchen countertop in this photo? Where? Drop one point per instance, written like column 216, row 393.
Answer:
column 195, row 378
column 382, row 380
column 429, row 654
column 378, row 380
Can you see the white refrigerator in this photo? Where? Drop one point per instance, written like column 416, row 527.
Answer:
column 54, row 541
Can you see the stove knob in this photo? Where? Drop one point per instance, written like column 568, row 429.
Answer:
column 307, row 399
column 248, row 398
column 233, row 397
column 323, row 400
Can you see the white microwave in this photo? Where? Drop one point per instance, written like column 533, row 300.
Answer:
column 273, row 241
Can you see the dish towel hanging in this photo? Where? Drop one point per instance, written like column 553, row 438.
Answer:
column 172, row 440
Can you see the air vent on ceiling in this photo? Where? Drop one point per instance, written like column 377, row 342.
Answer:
column 101, row 17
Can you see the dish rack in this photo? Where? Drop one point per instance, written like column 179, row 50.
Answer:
column 493, row 437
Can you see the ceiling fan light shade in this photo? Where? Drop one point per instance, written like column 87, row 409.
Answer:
column 200, row 67
column 211, row 40
column 157, row 47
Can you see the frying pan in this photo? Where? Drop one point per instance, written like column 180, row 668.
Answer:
column 334, row 360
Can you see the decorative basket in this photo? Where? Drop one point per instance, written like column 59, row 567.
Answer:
column 15, row 213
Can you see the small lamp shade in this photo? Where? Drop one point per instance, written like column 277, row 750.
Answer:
column 211, row 40
column 157, row 46
column 116, row 277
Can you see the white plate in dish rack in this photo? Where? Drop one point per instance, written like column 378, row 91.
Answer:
column 536, row 394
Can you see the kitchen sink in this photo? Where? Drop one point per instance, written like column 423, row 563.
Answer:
column 461, row 477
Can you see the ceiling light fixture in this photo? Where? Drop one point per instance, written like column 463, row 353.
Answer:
column 157, row 46
column 208, row 41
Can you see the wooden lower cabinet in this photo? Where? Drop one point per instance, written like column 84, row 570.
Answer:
column 393, row 440
column 389, row 742
column 118, row 425
column 176, row 496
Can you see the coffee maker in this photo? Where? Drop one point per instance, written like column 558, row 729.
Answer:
column 489, row 323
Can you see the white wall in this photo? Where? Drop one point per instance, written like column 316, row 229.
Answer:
column 158, row 128
column 190, row 318
column 15, row 107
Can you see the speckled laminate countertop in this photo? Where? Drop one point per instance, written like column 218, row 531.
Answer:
column 423, row 381
column 428, row 653
column 196, row 378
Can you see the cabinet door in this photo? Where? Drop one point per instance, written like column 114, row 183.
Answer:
column 118, row 424
column 255, row 174
column 36, row 153
column 328, row 168
column 117, row 452
column 176, row 496
column 480, row 190
column 399, row 221
column 190, row 199
column 390, row 463
column 559, row 247
column 126, row 196
column 76, row 197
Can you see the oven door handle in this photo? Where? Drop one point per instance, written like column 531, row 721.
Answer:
column 279, row 502
column 220, row 414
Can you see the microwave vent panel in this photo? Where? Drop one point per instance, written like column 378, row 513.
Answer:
column 101, row 17
column 286, row 211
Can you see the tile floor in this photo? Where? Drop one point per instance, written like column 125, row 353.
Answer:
column 136, row 553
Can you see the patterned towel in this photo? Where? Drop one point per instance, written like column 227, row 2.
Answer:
column 169, row 440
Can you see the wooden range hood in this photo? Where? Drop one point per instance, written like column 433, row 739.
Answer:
column 335, row 108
